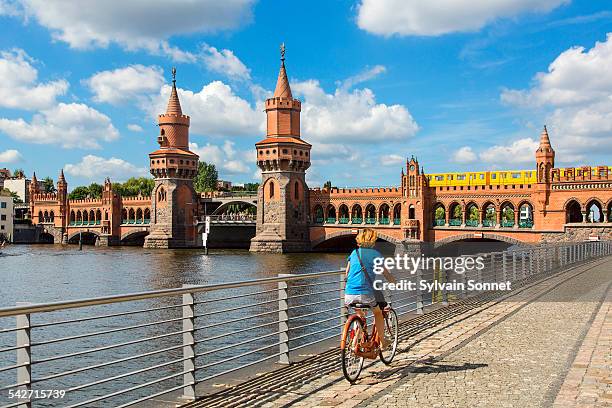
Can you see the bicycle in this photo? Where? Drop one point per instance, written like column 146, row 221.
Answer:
column 357, row 345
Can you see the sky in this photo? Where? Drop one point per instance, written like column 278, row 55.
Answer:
column 460, row 84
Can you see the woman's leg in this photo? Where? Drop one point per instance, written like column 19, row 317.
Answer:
column 379, row 322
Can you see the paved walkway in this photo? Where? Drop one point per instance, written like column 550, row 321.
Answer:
column 492, row 351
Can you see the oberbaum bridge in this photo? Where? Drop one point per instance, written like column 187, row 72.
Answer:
column 544, row 204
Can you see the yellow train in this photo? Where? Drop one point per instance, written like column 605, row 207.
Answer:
column 482, row 178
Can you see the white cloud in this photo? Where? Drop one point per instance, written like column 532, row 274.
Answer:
column 71, row 125
column 519, row 151
column 94, row 167
column 391, row 159
column 10, row 156
column 215, row 111
column 8, row 8
column 224, row 62
column 124, row 85
column 431, row 18
column 366, row 75
column 575, row 94
column 353, row 116
column 19, row 87
column 134, row 127
column 464, row 155
column 225, row 157
column 135, row 24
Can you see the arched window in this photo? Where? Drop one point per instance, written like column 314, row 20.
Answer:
column 411, row 212
column 397, row 214
column 525, row 216
column 85, row 218
column 131, row 216
column 573, row 212
column 318, row 214
column 92, row 217
column 507, row 215
column 356, row 214
column 124, row 216
column 46, row 216
column 271, row 191
column 370, row 214
column 139, row 216
column 147, row 216
column 439, row 215
column 594, row 211
column 41, row 218
column 296, row 190
column 455, row 214
column 51, row 216
column 472, row 217
column 98, row 217
column 343, row 214
column 79, row 217
column 106, row 215
column 72, row 217
column 161, row 194
column 489, row 216
column 383, row 214
column 610, row 212
column 331, row 214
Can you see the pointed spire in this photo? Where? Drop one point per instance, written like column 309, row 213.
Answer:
column 174, row 105
column 282, row 84
column 61, row 176
column 544, row 139
column 34, row 177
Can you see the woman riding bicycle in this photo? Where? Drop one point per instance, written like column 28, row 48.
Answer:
column 360, row 279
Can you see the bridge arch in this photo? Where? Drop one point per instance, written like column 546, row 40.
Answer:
column 241, row 204
column 343, row 233
column 89, row 237
column 134, row 237
column 470, row 237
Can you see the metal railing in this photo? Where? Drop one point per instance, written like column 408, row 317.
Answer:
column 126, row 349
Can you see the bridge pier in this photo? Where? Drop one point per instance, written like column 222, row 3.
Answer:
column 108, row 240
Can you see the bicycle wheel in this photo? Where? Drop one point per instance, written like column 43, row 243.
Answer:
column 351, row 363
column 387, row 355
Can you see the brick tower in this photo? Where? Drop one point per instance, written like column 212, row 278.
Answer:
column 173, row 200
column 413, row 186
column 545, row 162
column 283, row 196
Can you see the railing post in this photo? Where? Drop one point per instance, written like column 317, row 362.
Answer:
column 283, row 321
column 504, row 278
column 343, row 308
column 419, row 292
column 514, row 265
column 444, row 277
column 188, row 346
column 24, row 356
column 523, row 263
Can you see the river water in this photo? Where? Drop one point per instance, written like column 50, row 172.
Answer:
column 47, row 273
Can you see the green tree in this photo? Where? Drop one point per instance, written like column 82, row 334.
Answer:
column 48, row 186
column 251, row 186
column 79, row 193
column 327, row 185
column 16, row 198
column 508, row 214
column 206, row 177
column 18, row 173
column 457, row 212
column 439, row 214
column 473, row 213
column 95, row 190
column 134, row 186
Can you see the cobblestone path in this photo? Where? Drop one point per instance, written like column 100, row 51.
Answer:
column 495, row 350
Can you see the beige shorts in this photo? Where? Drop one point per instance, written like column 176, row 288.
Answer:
column 365, row 299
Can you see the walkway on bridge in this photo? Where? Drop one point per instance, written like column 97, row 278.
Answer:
column 547, row 343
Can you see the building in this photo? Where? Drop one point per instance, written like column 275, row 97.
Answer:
column 21, row 186
column 224, row 185
column 6, row 216
column 4, row 174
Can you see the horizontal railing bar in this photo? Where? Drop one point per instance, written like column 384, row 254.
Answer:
column 112, row 346
column 238, row 356
column 121, row 360
column 99, row 333
column 316, row 341
column 13, row 367
column 128, row 374
column 318, row 331
column 12, row 348
column 307, row 285
column 239, row 331
column 210, row 377
column 313, row 323
column 103, row 397
column 312, row 294
column 199, row 302
column 12, row 329
column 315, row 303
column 242, row 343
column 231, row 321
column 22, row 401
column 6, row 387
column 71, row 304
column 232, row 309
column 34, row 326
column 316, row 313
